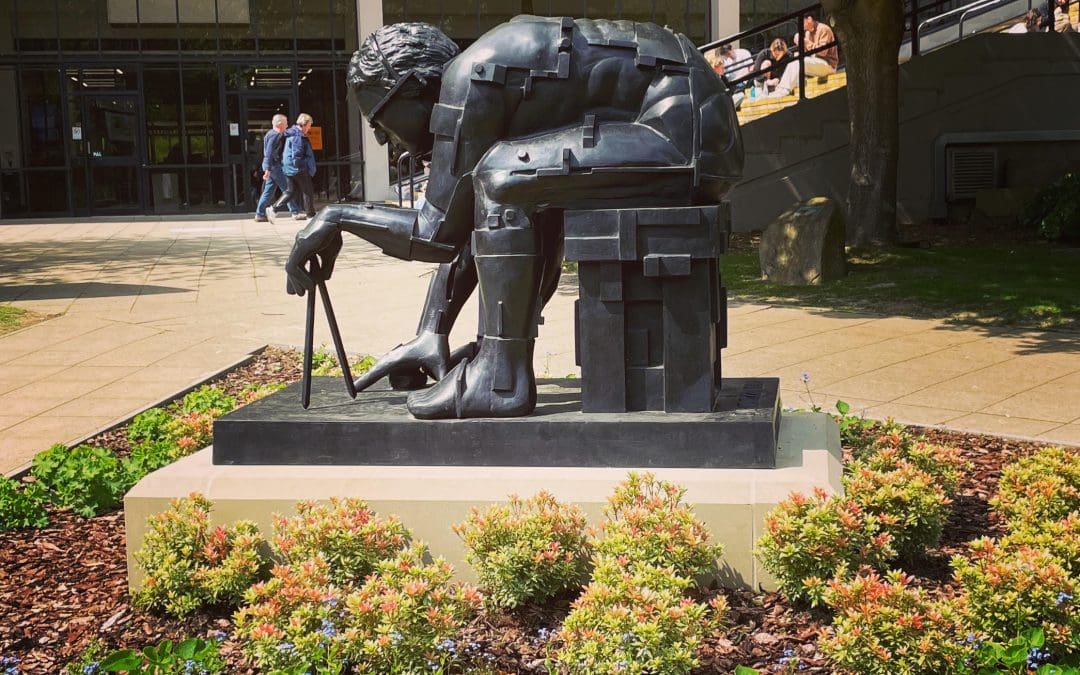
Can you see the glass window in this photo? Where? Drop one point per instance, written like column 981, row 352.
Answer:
column 164, row 141
column 47, row 191
column 343, row 26
column 10, row 141
column 275, row 24
column 7, row 29
column 202, row 114
column 198, row 27
column 238, row 36
column 314, row 32
column 321, row 94
column 80, row 25
column 37, row 25
column 43, row 124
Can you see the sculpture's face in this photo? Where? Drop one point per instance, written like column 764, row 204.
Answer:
column 401, row 120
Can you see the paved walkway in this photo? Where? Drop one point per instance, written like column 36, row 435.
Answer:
column 146, row 307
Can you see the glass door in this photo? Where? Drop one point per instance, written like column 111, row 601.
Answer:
column 256, row 111
column 105, row 159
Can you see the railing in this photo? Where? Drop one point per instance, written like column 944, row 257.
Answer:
column 914, row 31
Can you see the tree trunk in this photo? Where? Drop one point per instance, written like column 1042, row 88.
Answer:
column 870, row 32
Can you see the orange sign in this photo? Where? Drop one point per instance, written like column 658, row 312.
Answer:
column 314, row 134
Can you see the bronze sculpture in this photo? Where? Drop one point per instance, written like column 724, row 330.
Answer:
column 539, row 116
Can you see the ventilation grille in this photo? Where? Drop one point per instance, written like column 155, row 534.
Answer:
column 970, row 170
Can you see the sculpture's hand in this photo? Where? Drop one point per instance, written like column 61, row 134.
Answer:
column 321, row 239
column 427, row 352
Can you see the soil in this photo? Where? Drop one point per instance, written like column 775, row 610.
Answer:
column 65, row 585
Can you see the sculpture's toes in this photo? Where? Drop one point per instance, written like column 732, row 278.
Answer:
column 443, row 399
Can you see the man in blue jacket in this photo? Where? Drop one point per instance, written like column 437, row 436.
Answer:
column 298, row 162
column 273, row 173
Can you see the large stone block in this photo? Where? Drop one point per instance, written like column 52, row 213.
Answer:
column 805, row 245
column 430, row 499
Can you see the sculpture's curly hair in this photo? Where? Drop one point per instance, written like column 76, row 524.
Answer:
column 406, row 46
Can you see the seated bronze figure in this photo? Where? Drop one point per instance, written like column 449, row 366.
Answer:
column 538, row 116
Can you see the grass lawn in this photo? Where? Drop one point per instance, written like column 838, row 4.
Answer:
column 1022, row 285
column 12, row 319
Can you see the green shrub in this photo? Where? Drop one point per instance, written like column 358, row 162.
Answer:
column 885, row 626
column 352, row 537
column 149, row 426
column 293, row 620
column 808, row 540
column 1007, row 591
column 1039, row 488
column 398, row 621
column 1021, row 655
column 148, row 456
column 1055, row 211
column 22, row 505
column 855, row 431
column 190, row 431
column 526, row 550
column 1059, row 538
column 909, row 503
column 208, row 399
column 633, row 618
column 254, row 392
column 188, row 565
column 194, row 656
column 402, row 617
column 85, row 479
column 646, row 521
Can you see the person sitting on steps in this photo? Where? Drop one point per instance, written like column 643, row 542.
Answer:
column 820, row 64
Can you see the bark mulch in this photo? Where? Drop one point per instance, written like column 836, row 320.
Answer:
column 65, row 585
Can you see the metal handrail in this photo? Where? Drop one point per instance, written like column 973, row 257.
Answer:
column 988, row 3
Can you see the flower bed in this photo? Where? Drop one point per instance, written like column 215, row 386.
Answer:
column 63, row 586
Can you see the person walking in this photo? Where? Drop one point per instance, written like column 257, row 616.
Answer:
column 273, row 172
column 298, row 163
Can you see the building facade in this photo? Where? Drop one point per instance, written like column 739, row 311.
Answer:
column 159, row 106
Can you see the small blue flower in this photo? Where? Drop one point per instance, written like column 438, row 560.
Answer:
column 327, row 629
column 472, row 647
column 805, row 376
column 218, row 635
column 789, row 652
column 447, row 645
column 286, row 647
column 543, row 633
column 1062, row 598
column 1037, row 657
column 12, row 671
column 89, row 669
column 396, row 637
column 189, row 667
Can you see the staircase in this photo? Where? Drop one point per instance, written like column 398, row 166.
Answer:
column 754, row 108
column 1013, row 95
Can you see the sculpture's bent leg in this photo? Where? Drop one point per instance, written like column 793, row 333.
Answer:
column 499, row 380
column 428, row 354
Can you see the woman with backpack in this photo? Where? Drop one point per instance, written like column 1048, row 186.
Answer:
column 299, row 164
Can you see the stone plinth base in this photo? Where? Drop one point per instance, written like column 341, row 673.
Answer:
column 377, row 429
column 429, row 499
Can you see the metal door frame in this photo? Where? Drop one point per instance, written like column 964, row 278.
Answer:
column 82, row 159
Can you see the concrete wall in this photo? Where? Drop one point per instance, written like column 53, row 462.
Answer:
column 1009, row 91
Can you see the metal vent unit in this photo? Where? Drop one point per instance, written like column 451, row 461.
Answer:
column 969, row 170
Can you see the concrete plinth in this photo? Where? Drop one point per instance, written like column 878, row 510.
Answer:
column 429, row 499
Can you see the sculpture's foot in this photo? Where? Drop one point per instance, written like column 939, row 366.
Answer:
column 499, row 382
column 409, row 365
column 468, row 350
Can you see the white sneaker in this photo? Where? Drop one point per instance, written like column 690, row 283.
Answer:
column 299, row 216
column 270, row 214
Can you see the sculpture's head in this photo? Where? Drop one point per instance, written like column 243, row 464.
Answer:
column 394, row 78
